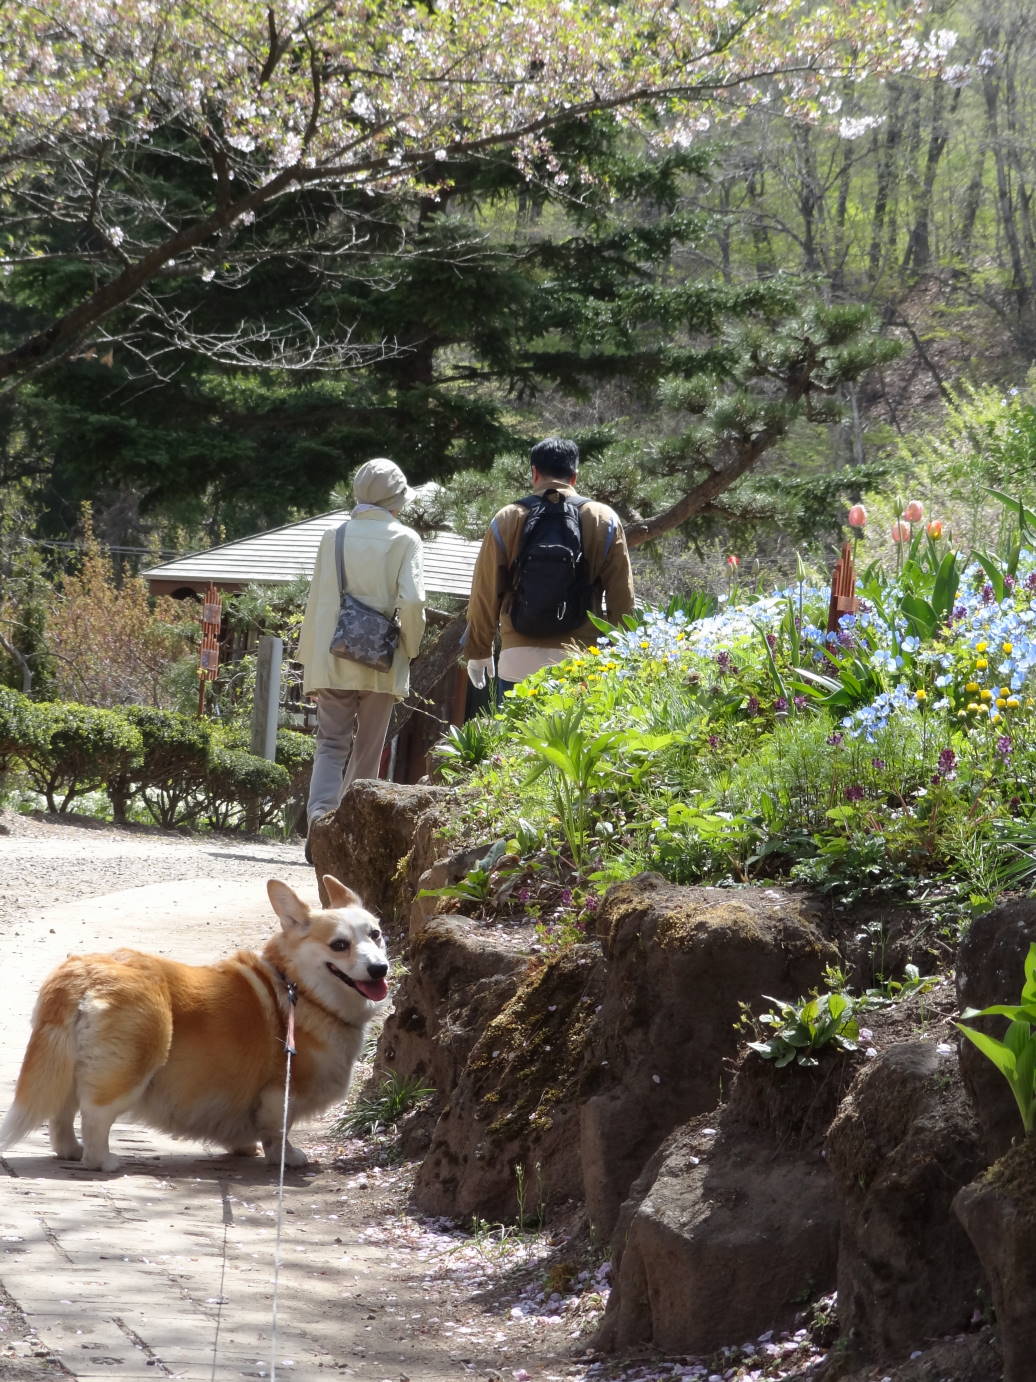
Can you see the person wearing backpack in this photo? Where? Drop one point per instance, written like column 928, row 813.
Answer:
column 546, row 563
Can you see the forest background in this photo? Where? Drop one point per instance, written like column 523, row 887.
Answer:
column 783, row 306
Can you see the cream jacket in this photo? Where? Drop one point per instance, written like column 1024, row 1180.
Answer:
column 383, row 568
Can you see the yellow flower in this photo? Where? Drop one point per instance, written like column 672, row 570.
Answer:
column 986, row 696
column 982, row 709
column 1013, row 702
column 972, row 686
column 972, row 707
column 921, row 694
column 1005, row 690
column 595, row 652
column 1000, row 702
column 994, row 717
column 644, row 643
column 981, row 663
column 1007, row 647
column 981, row 647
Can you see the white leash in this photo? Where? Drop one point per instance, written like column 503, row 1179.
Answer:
column 289, row 1046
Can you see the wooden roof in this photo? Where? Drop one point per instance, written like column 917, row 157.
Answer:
column 283, row 554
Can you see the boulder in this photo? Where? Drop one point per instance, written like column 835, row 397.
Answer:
column 904, row 1141
column 459, row 977
column 507, row 1139
column 990, row 969
column 733, row 1223
column 369, row 843
column 680, row 961
column 998, row 1210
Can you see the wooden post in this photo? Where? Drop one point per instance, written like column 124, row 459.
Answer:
column 211, row 621
column 843, row 587
column 266, row 706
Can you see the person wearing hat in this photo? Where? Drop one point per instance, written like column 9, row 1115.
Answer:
column 383, row 568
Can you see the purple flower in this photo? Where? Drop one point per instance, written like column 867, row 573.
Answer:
column 780, row 704
column 988, row 594
column 565, row 896
column 752, row 705
column 723, row 662
column 771, row 640
column 523, row 894
column 854, row 793
column 1030, row 583
column 878, row 764
column 959, row 613
column 591, row 902
column 835, row 739
column 1009, row 582
column 713, row 741
column 936, row 779
column 1004, row 746
column 799, row 702
column 947, row 761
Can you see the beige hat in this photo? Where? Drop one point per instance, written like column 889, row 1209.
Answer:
column 381, row 482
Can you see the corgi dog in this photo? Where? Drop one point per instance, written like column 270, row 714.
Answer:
column 201, row 1051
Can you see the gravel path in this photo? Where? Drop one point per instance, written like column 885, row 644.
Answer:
column 44, row 860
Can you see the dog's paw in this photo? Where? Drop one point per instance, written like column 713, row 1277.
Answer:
column 293, row 1156
column 68, row 1151
column 101, row 1163
column 246, row 1149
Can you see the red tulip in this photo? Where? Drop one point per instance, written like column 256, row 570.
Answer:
column 857, row 516
column 914, row 511
column 732, row 562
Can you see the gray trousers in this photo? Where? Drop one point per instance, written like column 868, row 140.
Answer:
column 351, row 729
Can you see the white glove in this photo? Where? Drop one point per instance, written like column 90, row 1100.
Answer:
column 477, row 669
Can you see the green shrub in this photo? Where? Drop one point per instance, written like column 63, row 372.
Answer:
column 14, row 711
column 72, row 749
column 243, row 791
column 170, row 779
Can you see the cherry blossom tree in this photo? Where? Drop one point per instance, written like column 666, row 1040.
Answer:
column 161, row 136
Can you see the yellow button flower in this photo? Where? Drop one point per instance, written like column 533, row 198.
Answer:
column 981, row 663
column 971, row 687
column 921, row 694
column 982, row 709
column 595, row 652
column 986, row 696
column 1013, row 702
column 1000, row 702
column 981, row 647
column 1007, row 647
column 972, row 707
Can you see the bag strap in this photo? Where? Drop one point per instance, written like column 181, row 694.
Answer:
column 340, row 557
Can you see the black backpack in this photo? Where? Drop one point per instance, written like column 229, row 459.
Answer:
column 551, row 591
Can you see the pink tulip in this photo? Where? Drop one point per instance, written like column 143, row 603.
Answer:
column 914, row 511
column 901, row 532
column 934, row 529
column 857, row 516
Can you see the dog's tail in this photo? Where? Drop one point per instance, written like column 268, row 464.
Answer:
column 46, row 1083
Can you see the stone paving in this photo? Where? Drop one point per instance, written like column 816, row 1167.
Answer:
column 166, row 1268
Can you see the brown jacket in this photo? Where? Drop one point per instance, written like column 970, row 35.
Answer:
column 604, row 546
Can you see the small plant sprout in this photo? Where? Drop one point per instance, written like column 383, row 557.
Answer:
column 1015, row 1056
column 378, row 1111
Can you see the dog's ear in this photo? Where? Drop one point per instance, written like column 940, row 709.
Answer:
column 338, row 895
column 292, row 911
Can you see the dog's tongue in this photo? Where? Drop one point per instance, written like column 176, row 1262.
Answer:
column 374, row 989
